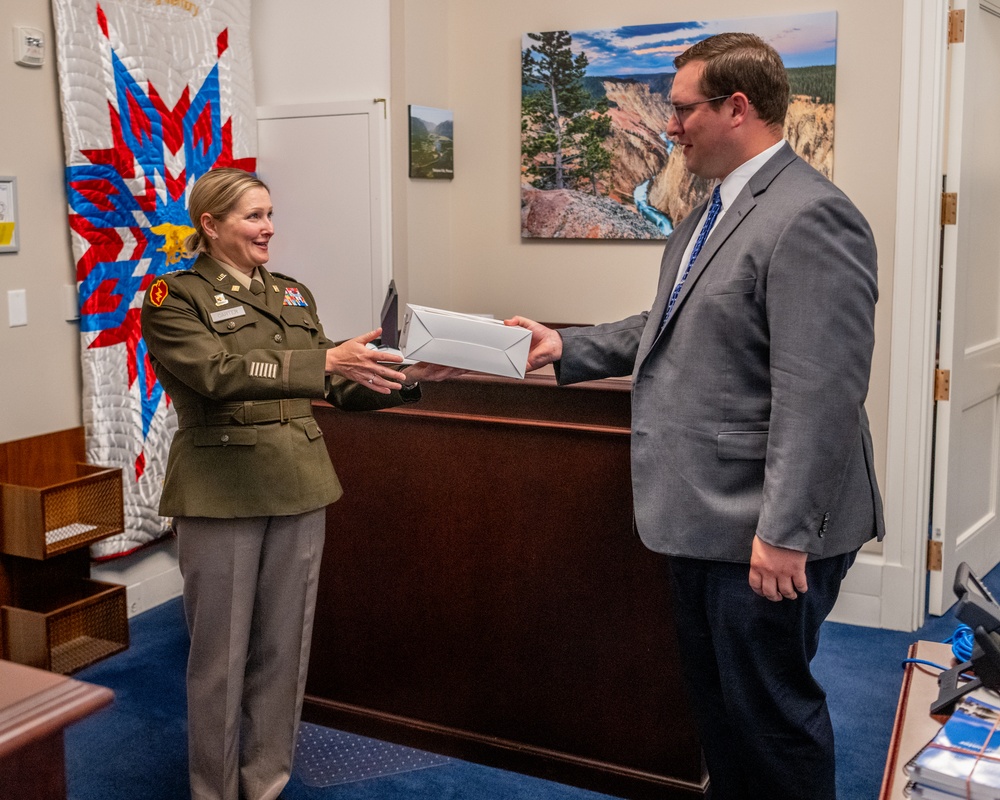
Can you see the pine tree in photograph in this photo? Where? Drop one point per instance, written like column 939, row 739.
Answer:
column 562, row 127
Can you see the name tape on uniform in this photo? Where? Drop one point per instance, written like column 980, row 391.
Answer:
column 229, row 313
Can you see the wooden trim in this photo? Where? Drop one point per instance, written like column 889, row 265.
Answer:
column 586, row 773
column 488, row 420
column 901, row 590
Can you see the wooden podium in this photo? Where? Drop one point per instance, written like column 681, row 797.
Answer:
column 483, row 594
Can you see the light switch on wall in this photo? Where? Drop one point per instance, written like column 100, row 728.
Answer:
column 71, row 302
column 17, row 307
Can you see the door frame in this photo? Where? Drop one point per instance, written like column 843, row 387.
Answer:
column 887, row 589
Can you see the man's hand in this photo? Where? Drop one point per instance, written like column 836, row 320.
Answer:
column 546, row 344
column 776, row 572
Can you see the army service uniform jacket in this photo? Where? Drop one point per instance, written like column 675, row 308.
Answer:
column 241, row 371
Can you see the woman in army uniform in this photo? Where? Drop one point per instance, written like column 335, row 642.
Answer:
column 241, row 353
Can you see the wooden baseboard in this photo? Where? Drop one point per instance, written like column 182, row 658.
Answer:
column 518, row 757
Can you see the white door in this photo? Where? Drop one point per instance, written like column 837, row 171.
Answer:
column 967, row 427
column 326, row 168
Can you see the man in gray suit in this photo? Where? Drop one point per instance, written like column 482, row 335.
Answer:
column 752, row 463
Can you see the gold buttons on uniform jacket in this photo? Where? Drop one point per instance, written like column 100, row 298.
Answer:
column 277, row 338
column 225, row 438
column 231, row 325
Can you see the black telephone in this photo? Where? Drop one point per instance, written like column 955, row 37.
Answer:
column 977, row 609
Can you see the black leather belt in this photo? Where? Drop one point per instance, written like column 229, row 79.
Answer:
column 250, row 412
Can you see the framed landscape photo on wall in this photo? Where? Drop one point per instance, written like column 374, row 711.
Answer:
column 431, row 143
column 596, row 160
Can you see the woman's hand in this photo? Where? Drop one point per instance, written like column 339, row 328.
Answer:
column 356, row 362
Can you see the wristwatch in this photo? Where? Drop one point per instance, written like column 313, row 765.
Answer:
column 410, row 392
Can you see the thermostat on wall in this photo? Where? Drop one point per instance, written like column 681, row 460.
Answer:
column 29, row 46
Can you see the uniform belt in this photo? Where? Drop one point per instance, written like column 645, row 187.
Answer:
column 251, row 412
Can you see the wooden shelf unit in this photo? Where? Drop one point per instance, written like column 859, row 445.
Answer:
column 52, row 507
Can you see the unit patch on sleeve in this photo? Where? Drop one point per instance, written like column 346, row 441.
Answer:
column 158, row 292
column 293, row 297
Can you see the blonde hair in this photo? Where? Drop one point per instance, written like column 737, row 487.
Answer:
column 216, row 193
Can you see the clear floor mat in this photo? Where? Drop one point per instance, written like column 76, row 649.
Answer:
column 325, row 757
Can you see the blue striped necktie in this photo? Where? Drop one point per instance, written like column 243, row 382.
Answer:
column 713, row 212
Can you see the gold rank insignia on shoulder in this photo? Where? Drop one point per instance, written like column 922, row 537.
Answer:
column 275, row 287
column 234, row 288
column 158, row 292
column 221, row 300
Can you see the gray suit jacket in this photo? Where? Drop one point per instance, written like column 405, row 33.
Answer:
column 748, row 409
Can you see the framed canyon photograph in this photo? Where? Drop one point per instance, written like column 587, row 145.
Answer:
column 596, row 161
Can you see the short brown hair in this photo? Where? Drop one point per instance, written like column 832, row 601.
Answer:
column 742, row 62
column 217, row 192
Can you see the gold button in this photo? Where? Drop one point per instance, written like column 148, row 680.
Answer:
column 277, row 338
column 225, row 438
column 231, row 325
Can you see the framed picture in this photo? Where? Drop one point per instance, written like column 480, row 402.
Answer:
column 431, row 143
column 8, row 214
column 596, row 159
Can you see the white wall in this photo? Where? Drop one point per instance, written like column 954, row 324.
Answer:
column 39, row 363
column 319, row 51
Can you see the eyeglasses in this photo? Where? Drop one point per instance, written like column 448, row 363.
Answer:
column 683, row 110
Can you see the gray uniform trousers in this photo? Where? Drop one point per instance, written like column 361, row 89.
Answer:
column 249, row 598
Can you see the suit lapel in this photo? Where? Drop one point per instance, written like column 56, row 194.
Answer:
column 731, row 220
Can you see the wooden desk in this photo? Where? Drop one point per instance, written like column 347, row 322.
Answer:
column 483, row 594
column 35, row 707
column 914, row 726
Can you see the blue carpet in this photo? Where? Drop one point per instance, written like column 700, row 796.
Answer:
column 137, row 747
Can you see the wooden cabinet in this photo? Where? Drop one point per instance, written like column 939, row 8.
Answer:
column 483, row 593
column 52, row 507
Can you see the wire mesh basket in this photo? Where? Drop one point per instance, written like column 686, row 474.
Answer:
column 80, row 624
column 61, row 512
